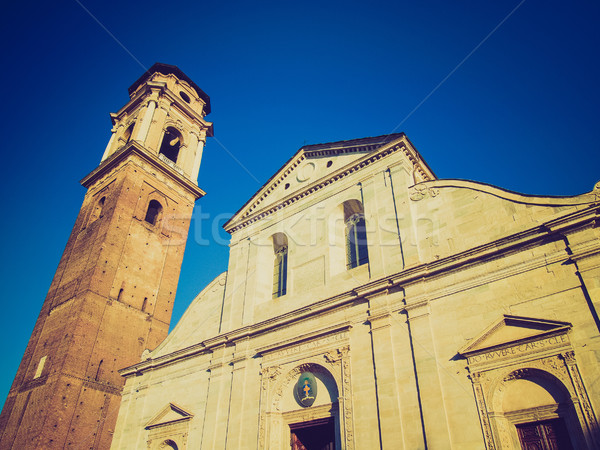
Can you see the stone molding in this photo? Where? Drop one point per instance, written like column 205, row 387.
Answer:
column 246, row 216
column 334, row 363
column 535, row 358
column 431, row 188
column 134, row 148
column 405, row 279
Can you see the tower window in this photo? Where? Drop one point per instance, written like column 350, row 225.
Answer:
column 280, row 250
column 357, row 252
column 153, row 212
column 128, row 133
column 100, row 206
column 97, row 212
column 171, row 144
column 98, row 370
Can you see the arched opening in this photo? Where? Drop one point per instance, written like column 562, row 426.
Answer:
column 357, row 252
column 171, row 144
column 128, row 133
column 537, row 411
column 317, row 424
column 169, row 444
column 280, row 264
column 153, row 212
column 97, row 212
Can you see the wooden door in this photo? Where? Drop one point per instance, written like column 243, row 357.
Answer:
column 544, row 435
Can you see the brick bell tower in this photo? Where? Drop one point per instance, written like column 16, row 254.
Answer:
column 112, row 294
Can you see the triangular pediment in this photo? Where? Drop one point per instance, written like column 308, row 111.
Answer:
column 319, row 163
column 168, row 415
column 509, row 330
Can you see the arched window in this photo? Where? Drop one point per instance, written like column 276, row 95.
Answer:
column 153, row 212
column 171, row 144
column 357, row 252
column 97, row 212
column 128, row 132
column 100, row 206
column 280, row 250
column 169, row 444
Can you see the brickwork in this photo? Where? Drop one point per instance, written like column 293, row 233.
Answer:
column 112, row 295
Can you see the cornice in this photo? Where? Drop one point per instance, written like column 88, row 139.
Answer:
column 431, row 188
column 551, row 230
column 303, row 338
column 145, row 94
column 134, row 148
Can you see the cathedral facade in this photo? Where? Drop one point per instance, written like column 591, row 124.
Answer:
column 368, row 304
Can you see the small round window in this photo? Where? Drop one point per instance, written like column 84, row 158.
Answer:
column 184, row 96
column 329, row 163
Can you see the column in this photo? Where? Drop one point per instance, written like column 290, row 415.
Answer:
column 385, row 374
column 364, row 395
column 109, row 145
column 198, row 155
column 369, row 200
column 217, row 405
column 146, row 121
column 433, row 409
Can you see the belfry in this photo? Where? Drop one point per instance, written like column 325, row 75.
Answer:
column 112, row 295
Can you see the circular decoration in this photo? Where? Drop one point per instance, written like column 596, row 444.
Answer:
column 306, row 172
column 306, row 389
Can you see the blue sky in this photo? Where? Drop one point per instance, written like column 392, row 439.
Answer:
column 519, row 109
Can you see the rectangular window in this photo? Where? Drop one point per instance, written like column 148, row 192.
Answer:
column 40, row 367
column 280, row 273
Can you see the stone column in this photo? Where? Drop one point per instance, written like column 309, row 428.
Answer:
column 218, row 400
column 146, row 122
column 387, row 394
column 433, row 409
column 236, row 425
column 389, row 226
column 198, row 155
column 109, row 145
column 190, row 154
column 364, row 394
column 369, row 201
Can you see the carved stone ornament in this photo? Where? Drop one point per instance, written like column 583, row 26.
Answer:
column 271, row 372
column 421, row 192
column 335, row 356
column 517, row 375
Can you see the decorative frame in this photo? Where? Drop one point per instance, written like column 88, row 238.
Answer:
column 279, row 371
column 545, row 353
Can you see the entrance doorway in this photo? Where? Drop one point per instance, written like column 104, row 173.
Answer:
column 313, row 435
column 544, row 435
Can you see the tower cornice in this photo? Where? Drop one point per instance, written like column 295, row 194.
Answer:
column 172, row 98
column 134, row 148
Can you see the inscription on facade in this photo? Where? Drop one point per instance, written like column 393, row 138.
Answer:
column 515, row 350
column 301, row 348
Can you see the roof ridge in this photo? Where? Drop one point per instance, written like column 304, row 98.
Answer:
column 384, row 138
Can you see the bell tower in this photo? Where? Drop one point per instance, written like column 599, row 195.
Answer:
column 112, row 295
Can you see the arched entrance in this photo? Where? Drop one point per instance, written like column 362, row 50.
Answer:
column 533, row 409
column 289, row 421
